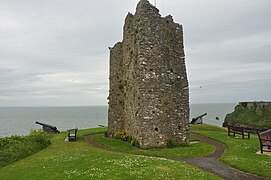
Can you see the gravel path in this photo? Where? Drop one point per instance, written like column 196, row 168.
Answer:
column 208, row 163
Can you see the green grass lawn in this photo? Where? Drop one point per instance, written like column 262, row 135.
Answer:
column 241, row 153
column 193, row 150
column 79, row 160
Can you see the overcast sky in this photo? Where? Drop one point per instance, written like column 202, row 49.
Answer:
column 55, row 52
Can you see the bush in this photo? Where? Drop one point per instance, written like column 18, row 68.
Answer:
column 244, row 104
column 129, row 139
column 105, row 134
column 135, row 143
column 125, row 137
column 121, row 135
column 170, row 144
column 15, row 148
column 9, row 142
column 40, row 137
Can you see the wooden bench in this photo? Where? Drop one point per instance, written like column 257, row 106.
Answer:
column 72, row 133
column 265, row 140
column 239, row 130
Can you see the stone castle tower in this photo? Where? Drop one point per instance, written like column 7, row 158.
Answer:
column 149, row 95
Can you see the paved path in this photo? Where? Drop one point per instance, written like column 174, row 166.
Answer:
column 211, row 164
column 208, row 163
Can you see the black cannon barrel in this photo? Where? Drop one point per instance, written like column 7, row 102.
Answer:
column 47, row 125
column 200, row 116
column 198, row 119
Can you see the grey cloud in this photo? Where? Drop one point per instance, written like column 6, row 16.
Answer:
column 246, row 90
column 56, row 52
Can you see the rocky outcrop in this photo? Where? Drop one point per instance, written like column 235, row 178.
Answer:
column 148, row 96
column 255, row 115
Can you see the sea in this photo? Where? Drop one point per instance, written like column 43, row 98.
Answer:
column 20, row 120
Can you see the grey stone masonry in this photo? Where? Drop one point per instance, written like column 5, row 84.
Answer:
column 149, row 94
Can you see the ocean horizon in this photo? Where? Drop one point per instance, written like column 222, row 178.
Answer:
column 20, row 120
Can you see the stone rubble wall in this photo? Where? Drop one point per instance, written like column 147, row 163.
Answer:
column 149, row 94
column 259, row 104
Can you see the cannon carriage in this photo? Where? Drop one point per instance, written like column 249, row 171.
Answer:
column 198, row 119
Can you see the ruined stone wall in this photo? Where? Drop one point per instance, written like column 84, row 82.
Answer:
column 116, row 94
column 260, row 104
column 148, row 95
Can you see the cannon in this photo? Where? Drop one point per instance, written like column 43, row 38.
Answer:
column 48, row 128
column 198, row 119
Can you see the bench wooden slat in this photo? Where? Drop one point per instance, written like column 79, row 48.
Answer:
column 238, row 130
column 72, row 133
column 265, row 140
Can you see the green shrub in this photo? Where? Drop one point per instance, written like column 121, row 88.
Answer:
column 9, row 142
column 121, row 135
column 105, row 134
column 129, row 139
column 40, row 137
column 135, row 143
column 170, row 144
column 15, row 148
column 244, row 104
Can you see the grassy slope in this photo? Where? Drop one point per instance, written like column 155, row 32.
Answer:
column 79, row 160
column 240, row 152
